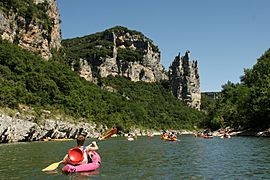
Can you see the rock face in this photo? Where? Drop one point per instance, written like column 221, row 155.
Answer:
column 37, row 29
column 185, row 80
column 117, row 52
column 122, row 52
column 17, row 130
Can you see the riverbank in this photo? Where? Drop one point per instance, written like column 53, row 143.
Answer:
column 251, row 132
column 19, row 128
column 246, row 132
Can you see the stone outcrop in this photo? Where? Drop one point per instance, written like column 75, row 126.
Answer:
column 146, row 68
column 37, row 35
column 185, row 80
column 13, row 129
column 85, row 70
column 122, row 52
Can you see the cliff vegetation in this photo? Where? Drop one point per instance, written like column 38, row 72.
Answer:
column 27, row 79
column 29, row 10
column 99, row 46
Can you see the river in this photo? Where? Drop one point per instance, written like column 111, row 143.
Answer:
column 146, row 158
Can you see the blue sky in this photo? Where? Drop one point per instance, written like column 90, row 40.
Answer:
column 223, row 36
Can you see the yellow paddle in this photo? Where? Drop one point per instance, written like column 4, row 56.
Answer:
column 55, row 165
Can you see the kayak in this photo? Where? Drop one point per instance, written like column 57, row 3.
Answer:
column 84, row 167
column 207, row 137
column 64, row 139
column 222, row 137
column 130, row 138
column 168, row 138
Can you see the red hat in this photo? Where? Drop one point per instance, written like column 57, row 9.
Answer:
column 75, row 155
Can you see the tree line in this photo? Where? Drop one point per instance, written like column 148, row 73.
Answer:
column 244, row 105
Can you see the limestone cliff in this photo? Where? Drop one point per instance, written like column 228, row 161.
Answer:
column 185, row 80
column 32, row 24
column 116, row 51
column 122, row 52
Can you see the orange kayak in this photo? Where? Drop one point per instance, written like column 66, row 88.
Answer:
column 168, row 138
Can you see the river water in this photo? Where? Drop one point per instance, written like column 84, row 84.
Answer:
column 146, row 158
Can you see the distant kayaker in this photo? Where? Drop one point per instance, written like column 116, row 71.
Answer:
column 80, row 153
column 226, row 134
column 172, row 135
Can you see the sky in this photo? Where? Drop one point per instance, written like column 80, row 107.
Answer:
column 225, row 37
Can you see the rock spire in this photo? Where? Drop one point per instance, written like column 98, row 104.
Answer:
column 185, row 80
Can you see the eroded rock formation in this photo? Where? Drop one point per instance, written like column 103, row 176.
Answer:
column 30, row 30
column 185, row 80
column 128, row 54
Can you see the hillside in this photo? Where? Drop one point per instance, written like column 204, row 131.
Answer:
column 27, row 80
column 119, row 51
column 35, row 25
column 115, row 51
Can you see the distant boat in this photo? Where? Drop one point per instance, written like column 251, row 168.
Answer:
column 166, row 138
column 225, row 136
column 207, row 137
column 62, row 139
column 130, row 138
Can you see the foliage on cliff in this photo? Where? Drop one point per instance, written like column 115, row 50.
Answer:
column 29, row 10
column 27, row 79
column 100, row 45
column 91, row 46
column 246, row 104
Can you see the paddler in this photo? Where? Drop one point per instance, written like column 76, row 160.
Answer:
column 80, row 153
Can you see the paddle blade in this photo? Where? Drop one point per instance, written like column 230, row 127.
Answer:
column 110, row 133
column 52, row 166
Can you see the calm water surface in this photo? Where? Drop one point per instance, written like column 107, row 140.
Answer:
column 146, row 158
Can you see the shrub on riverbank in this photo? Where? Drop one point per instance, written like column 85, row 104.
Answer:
column 244, row 105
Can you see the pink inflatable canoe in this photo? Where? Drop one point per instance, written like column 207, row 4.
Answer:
column 84, row 167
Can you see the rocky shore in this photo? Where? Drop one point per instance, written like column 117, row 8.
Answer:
column 251, row 132
column 16, row 129
column 13, row 129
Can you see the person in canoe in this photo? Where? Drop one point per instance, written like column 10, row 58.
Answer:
column 80, row 153
column 173, row 135
column 164, row 135
column 131, row 137
column 226, row 134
